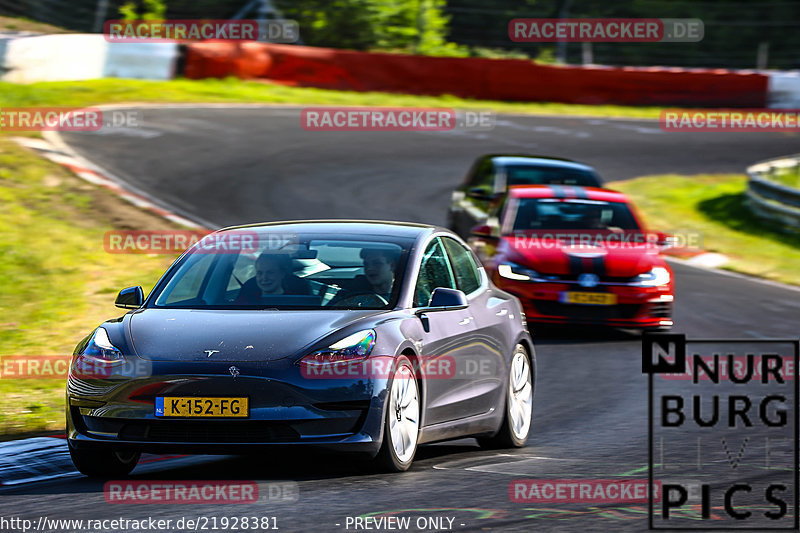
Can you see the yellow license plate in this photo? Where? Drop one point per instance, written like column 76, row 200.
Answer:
column 589, row 298
column 202, row 407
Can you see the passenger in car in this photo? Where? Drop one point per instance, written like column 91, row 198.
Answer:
column 273, row 277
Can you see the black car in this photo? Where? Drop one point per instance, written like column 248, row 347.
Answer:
column 359, row 336
column 486, row 183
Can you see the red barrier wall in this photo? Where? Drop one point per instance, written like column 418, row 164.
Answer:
column 490, row 79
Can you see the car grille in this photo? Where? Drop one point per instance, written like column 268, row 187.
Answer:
column 207, row 431
column 573, row 278
column 661, row 309
column 587, row 312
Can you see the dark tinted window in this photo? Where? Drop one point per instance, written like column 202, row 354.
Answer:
column 434, row 272
column 539, row 175
column 555, row 214
column 467, row 276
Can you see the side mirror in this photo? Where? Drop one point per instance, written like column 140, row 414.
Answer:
column 442, row 299
column 449, row 298
column 130, row 298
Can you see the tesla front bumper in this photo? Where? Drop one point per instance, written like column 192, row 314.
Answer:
column 285, row 409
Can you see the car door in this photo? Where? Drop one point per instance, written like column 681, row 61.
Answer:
column 481, row 385
column 447, row 336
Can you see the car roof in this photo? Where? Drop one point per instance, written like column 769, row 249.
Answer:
column 542, row 161
column 566, row 191
column 409, row 230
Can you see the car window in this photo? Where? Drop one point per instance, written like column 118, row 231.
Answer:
column 538, row 175
column 310, row 272
column 466, row 273
column 189, row 286
column 243, row 269
column 556, row 214
column 434, row 272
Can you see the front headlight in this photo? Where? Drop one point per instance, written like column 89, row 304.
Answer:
column 99, row 359
column 351, row 348
column 517, row 272
column 100, row 349
column 657, row 276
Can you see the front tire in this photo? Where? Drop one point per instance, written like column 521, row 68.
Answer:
column 401, row 423
column 519, row 404
column 106, row 464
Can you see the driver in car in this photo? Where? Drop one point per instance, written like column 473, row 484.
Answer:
column 379, row 268
column 377, row 280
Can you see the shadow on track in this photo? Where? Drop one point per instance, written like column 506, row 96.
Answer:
column 284, row 465
column 547, row 334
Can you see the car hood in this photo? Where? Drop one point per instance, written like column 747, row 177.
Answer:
column 552, row 256
column 246, row 335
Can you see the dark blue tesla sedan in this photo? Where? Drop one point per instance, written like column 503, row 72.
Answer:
column 359, row 336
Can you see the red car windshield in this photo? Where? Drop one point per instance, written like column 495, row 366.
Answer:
column 532, row 214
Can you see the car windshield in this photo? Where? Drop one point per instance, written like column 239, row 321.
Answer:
column 257, row 269
column 539, row 175
column 568, row 214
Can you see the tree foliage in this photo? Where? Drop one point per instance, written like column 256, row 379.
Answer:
column 407, row 25
column 150, row 10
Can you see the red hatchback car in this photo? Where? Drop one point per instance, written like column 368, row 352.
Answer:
column 577, row 255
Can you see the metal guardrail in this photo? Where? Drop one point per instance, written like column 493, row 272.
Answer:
column 773, row 201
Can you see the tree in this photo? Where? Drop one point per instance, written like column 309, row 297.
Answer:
column 151, row 10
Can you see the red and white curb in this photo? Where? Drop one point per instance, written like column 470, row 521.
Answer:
column 708, row 260
column 696, row 257
column 54, row 149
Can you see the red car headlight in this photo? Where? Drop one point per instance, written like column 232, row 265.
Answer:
column 517, row 272
column 657, row 276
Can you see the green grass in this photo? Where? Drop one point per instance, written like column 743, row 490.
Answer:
column 56, row 281
column 107, row 91
column 716, row 207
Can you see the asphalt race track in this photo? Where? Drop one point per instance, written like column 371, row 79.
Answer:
column 239, row 165
column 230, row 166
